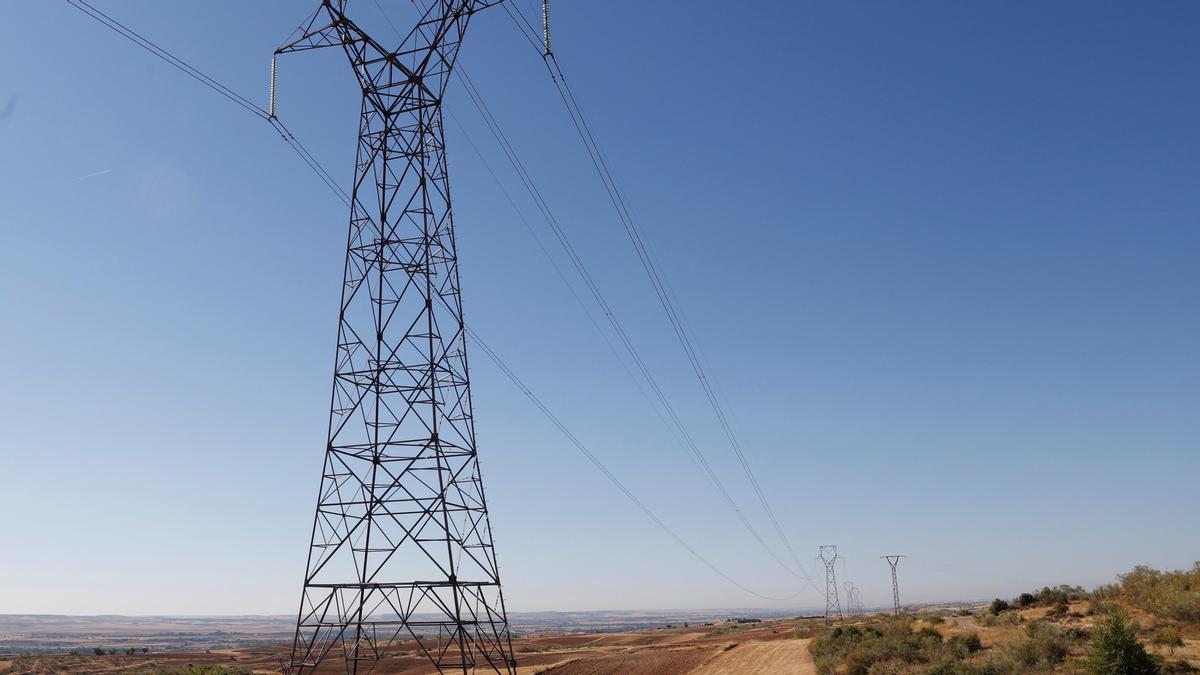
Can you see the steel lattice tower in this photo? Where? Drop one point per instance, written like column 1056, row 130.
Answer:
column 893, row 561
column 833, row 606
column 401, row 545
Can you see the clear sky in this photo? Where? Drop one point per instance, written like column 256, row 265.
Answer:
column 940, row 258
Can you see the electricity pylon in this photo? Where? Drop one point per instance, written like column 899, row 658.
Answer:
column 833, row 607
column 401, row 545
column 849, row 588
column 894, row 560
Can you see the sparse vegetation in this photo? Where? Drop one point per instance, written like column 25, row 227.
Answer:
column 888, row 646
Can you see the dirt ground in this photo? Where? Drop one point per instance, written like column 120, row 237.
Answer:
column 759, row 658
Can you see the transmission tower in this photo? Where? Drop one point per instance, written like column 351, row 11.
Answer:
column 833, row 607
column 894, row 560
column 401, row 545
column 849, row 588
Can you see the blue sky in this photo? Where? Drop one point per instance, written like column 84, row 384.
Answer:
column 940, row 259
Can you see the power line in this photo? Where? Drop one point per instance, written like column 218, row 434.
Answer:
column 598, row 296
column 632, row 229
column 341, row 194
column 167, row 56
column 234, row 97
column 604, row 469
column 680, row 429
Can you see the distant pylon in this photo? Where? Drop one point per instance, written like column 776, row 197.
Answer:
column 833, row 607
column 894, row 560
column 849, row 588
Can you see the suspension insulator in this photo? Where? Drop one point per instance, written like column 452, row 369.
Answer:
column 271, row 107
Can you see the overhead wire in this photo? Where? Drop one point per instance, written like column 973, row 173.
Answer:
column 234, row 97
column 646, row 258
column 319, row 170
column 604, row 469
column 677, row 426
column 680, row 429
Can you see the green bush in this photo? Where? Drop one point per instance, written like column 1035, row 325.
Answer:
column 1025, row 600
column 998, row 606
column 1115, row 649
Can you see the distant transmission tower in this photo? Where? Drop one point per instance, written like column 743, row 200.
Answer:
column 849, row 588
column 401, row 543
column 894, row 560
column 833, row 607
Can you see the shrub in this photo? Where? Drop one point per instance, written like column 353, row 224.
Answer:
column 964, row 644
column 1168, row 638
column 990, row 667
column 935, row 619
column 1025, row 600
column 1060, row 608
column 1115, row 649
column 998, row 606
column 1044, row 647
column 890, row 646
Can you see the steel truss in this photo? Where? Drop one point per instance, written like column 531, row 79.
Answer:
column 401, row 546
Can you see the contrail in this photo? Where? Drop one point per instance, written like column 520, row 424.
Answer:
column 8, row 108
column 92, row 175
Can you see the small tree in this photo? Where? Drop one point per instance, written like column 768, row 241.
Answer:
column 998, row 606
column 1115, row 649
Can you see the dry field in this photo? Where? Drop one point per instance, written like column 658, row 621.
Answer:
column 726, row 647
